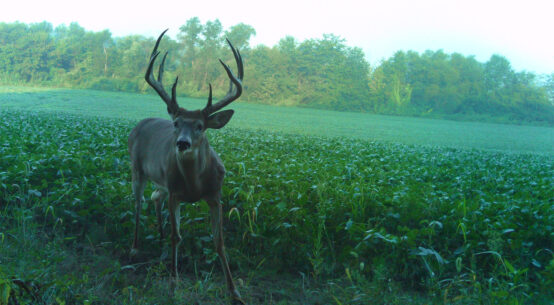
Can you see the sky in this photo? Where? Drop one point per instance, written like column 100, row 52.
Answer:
column 522, row 31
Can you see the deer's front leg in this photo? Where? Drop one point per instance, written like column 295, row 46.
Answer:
column 158, row 197
column 217, row 229
column 175, row 217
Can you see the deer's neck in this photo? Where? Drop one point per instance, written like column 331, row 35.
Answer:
column 193, row 164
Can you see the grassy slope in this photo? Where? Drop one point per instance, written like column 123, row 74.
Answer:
column 405, row 130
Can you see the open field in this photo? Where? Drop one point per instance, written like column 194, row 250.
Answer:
column 393, row 129
column 311, row 217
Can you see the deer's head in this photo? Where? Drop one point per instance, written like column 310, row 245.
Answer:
column 190, row 126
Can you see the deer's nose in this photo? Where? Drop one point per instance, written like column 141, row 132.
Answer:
column 183, row 144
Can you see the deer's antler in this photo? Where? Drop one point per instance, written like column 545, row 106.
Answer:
column 172, row 106
column 235, row 85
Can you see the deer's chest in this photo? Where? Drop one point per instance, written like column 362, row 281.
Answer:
column 192, row 187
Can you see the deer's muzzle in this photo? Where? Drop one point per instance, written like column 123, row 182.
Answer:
column 183, row 144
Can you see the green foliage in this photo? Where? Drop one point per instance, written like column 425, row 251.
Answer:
column 435, row 84
column 107, row 84
column 463, row 226
column 317, row 73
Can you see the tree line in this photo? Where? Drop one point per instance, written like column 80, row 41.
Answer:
column 322, row 73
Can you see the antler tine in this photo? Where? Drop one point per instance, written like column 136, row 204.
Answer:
column 148, row 76
column 174, row 90
column 209, row 105
column 238, row 59
column 161, row 68
column 157, row 85
column 234, row 91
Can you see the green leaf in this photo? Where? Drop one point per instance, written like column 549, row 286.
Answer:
column 5, row 290
column 509, row 266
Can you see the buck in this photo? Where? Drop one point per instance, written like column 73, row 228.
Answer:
column 176, row 156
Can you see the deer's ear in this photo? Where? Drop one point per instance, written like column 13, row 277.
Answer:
column 219, row 119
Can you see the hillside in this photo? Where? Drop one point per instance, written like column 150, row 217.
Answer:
column 294, row 120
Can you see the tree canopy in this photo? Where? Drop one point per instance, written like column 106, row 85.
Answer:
column 322, row 73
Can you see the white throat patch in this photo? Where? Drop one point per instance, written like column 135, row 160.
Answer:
column 188, row 154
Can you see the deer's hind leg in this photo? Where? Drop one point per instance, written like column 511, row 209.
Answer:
column 139, row 182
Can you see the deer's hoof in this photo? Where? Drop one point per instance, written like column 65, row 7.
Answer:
column 237, row 301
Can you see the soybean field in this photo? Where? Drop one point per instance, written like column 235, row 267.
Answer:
column 320, row 207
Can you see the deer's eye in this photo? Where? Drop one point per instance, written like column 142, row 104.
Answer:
column 199, row 127
column 175, row 123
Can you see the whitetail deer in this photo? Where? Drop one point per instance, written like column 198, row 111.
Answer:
column 176, row 156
